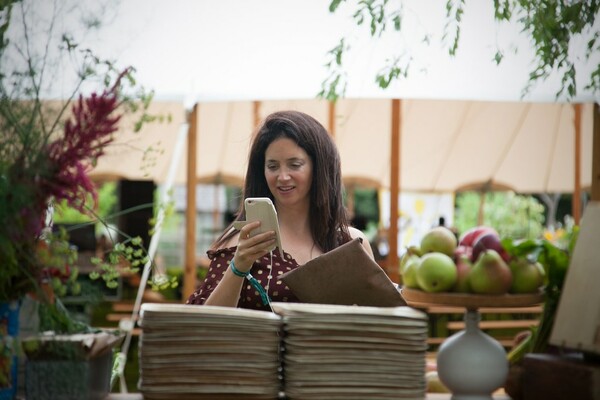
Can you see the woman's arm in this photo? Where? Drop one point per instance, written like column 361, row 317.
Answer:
column 355, row 233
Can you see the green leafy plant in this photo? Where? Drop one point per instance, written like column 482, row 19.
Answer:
column 555, row 27
column 48, row 148
column 511, row 214
column 555, row 258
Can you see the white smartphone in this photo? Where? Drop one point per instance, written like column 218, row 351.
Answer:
column 262, row 209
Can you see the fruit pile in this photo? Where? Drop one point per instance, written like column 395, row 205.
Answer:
column 475, row 263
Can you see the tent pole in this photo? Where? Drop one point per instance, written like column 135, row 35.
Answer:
column 332, row 119
column 256, row 112
column 481, row 211
column 189, row 278
column 350, row 195
column 216, row 215
column 392, row 263
column 576, row 202
column 596, row 153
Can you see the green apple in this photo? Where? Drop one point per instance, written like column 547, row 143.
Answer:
column 439, row 240
column 436, row 273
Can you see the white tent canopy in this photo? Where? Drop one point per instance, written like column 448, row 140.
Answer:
column 445, row 145
column 143, row 155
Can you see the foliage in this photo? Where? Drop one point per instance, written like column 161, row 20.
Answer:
column 365, row 204
column 554, row 26
column 47, row 148
column 555, row 258
column 107, row 201
column 511, row 214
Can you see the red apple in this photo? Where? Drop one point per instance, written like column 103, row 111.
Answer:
column 469, row 237
column 463, row 251
column 488, row 241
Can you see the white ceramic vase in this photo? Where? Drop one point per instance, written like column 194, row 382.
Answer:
column 471, row 363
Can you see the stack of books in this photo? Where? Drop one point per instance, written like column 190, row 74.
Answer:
column 350, row 352
column 217, row 353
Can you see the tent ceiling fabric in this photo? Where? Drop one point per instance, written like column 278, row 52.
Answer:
column 528, row 147
column 143, row 155
column 224, row 131
column 445, row 145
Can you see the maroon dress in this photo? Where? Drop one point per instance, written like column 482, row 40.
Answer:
column 249, row 296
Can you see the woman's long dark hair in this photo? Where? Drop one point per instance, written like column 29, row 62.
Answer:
column 328, row 217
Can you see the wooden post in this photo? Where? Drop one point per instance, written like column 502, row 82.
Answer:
column 481, row 210
column 256, row 109
column 350, row 201
column 392, row 263
column 189, row 278
column 576, row 201
column 596, row 154
column 332, row 118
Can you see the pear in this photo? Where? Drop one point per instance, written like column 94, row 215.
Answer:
column 434, row 384
column 409, row 273
column 490, row 274
column 463, row 269
column 411, row 252
column 527, row 276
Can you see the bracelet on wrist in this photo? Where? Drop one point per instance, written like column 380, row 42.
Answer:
column 263, row 294
column 236, row 271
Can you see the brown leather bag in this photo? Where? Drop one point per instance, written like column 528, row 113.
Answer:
column 346, row 275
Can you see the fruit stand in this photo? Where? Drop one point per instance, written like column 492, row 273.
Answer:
column 471, row 363
column 474, row 271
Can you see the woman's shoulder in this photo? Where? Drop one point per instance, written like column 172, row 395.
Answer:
column 356, row 233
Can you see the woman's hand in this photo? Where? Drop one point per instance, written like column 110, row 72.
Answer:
column 249, row 249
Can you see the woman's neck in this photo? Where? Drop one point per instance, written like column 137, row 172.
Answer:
column 296, row 235
column 295, row 217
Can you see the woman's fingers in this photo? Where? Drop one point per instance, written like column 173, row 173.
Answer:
column 248, row 228
column 251, row 248
column 246, row 232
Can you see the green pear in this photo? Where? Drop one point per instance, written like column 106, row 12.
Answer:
column 436, row 273
column 434, row 384
column 490, row 274
column 411, row 252
column 528, row 276
column 409, row 274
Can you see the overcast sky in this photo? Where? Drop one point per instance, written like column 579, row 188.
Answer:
column 193, row 50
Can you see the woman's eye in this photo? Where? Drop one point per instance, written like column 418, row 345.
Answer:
column 271, row 167
column 296, row 165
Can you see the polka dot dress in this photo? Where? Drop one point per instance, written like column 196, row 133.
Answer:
column 249, row 297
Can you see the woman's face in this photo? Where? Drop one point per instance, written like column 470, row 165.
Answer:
column 288, row 170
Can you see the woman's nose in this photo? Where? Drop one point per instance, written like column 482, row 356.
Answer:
column 284, row 175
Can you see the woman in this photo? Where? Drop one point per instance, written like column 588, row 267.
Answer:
column 294, row 162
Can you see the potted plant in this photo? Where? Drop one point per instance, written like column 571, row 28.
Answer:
column 46, row 152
